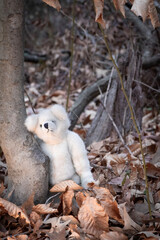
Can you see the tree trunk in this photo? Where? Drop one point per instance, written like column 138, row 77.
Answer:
column 101, row 124
column 27, row 165
column 116, row 104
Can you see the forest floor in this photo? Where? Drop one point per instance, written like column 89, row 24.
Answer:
column 118, row 207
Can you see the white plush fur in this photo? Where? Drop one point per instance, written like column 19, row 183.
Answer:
column 66, row 150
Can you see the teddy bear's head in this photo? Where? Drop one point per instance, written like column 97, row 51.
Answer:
column 49, row 124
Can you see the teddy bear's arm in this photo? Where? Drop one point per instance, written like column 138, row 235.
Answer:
column 31, row 122
column 79, row 158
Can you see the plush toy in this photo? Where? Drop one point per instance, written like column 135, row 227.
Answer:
column 66, row 150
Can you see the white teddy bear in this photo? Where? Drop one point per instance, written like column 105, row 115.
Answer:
column 66, row 150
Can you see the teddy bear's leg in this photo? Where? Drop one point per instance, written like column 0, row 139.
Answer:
column 86, row 177
column 76, row 178
column 79, row 158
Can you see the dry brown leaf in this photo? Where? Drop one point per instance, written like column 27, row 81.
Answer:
column 75, row 236
column 133, row 174
column 150, row 238
column 1, row 188
column 37, row 225
column 72, row 219
column 60, row 235
column 61, row 187
column 146, row 235
column 147, row 118
column 153, row 14
column 140, row 8
column 148, row 145
column 108, row 202
column 44, row 209
column 59, row 93
column 135, row 149
column 34, row 218
column 53, row 3
column 28, row 204
column 80, row 198
column 116, row 161
column 75, row 232
column 99, row 5
column 128, row 222
column 53, row 221
column 56, row 223
column 96, row 147
column 113, row 236
column 67, row 201
column 119, row 5
column 93, row 219
column 22, row 237
column 152, row 171
column 13, row 210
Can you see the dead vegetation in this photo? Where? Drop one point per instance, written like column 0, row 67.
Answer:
column 117, row 208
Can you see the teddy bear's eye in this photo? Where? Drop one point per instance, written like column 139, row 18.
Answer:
column 53, row 121
column 40, row 125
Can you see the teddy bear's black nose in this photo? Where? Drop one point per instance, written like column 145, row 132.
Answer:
column 46, row 125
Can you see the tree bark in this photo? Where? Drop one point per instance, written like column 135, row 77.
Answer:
column 27, row 165
column 116, row 104
column 101, row 123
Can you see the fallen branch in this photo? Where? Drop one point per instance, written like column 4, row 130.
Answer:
column 86, row 97
column 143, row 29
column 34, row 58
column 150, row 40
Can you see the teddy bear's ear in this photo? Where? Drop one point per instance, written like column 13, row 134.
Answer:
column 31, row 122
column 60, row 113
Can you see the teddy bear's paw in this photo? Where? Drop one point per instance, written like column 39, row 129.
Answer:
column 86, row 182
column 76, row 178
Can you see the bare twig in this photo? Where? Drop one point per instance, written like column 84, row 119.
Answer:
column 87, row 35
column 146, row 85
column 117, row 130
column 72, row 50
column 108, row 87
column 125, row 113
column 132, row 117
column 30, row 101
column 119, row 134
column 47, row 201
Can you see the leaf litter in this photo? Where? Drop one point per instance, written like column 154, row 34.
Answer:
column 93, row 213
column 116, row 209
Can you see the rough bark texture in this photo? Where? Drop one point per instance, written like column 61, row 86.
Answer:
column 101, row 123
column 27, row 165
column 116, row 104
